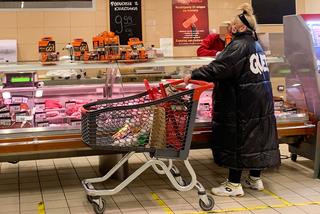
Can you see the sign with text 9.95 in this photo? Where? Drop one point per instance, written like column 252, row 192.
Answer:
column 125, row 19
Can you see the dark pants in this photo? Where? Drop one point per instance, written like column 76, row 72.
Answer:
column 235, row 175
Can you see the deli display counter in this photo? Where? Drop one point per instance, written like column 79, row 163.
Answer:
column 40, row 106
column 40, row 113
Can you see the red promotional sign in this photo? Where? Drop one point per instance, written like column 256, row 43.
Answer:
column 190, row 21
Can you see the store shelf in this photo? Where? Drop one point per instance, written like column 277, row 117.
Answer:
column 180, row 61
column 37, row 66
column 183, row 61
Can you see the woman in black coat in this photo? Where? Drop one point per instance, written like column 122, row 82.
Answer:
column 244, row 125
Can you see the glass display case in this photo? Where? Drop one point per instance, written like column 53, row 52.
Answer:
column 43, row 102
column 301, row 42
column 40, row 105
column 33, row 95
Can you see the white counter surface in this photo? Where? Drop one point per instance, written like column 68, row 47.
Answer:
column 179, row 61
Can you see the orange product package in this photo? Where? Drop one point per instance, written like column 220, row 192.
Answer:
column 47, row 48
column 80, row 49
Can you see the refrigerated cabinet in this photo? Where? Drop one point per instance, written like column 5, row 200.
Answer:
column 49, row 100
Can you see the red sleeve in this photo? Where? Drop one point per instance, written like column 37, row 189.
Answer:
column 207, row 47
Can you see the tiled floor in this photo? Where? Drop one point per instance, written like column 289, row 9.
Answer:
column 56, row 182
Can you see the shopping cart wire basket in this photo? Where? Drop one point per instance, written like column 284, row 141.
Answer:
column 158, row 122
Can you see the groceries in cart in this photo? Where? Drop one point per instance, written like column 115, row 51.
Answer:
column 159, row 126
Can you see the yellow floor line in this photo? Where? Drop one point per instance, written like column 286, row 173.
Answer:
column 277, row 197
column 164, row 206
column 307, row 203
column 284, row 204
column 41, row 209
column 256, row 208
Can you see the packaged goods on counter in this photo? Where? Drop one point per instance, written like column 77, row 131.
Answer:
column 66, row 74
column 80, row 50
column 47, row 48
column 105, row 47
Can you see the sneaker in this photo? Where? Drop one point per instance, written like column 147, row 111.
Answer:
column 228, row 189
column 254, row 183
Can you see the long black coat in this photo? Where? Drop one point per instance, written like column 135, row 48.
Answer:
column 244, row 125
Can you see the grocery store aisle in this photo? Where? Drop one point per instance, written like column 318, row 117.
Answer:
column 56, row 182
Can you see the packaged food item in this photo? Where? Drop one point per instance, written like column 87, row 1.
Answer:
column 158, row 129
column 47, row 48
column 80, row 50
column 151, row 52
column 106, row 46
column 122, row 132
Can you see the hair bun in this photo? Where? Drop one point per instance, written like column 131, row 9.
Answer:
column 246, row 9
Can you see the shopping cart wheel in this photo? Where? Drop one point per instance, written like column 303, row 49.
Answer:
column 209, row 206
column 294, row 157
column 99, row 206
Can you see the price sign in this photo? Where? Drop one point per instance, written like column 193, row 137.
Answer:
column 125, row 19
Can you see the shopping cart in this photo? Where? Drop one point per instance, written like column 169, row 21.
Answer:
column 158, row 122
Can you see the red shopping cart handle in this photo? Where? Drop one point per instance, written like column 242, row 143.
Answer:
column 196, row 82
column 203, row 86
column 83, row 110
